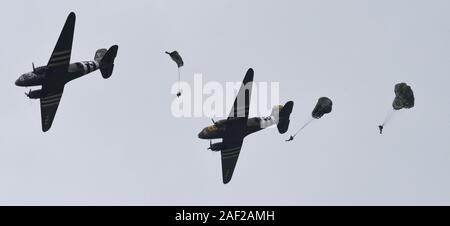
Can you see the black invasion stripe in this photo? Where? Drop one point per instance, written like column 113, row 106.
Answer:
column 51, row 101
column 227, row 157
column 230, row 150
column 49, row 105
column 58, row 58
column 47, row 99
column 58, row 62
column 59, row 53
column 231, row 153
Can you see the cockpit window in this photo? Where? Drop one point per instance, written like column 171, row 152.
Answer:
column 40, row 70
column 212, row 128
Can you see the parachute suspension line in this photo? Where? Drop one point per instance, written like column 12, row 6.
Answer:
column 179, row 79
column 388, row 117
column 306, row 124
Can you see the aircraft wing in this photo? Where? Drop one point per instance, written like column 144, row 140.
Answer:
column 235, row 130
column 49, row 105
column 60, row 58
column 233, row 143
column 241, row 104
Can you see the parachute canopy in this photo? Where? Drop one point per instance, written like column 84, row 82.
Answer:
column 404, row 97
column 323, row 106
column 177, row 58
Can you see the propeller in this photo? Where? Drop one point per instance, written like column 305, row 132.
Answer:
column 28, row 94
column 210, row 145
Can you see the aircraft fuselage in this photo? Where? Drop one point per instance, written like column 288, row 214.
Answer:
column 218, row 130
column 46, row 76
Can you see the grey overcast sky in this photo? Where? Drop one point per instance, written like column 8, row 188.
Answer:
column 115, row 141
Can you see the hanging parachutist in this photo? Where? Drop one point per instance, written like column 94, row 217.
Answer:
column 381, row 129
column 290, row 139
column 179, row 61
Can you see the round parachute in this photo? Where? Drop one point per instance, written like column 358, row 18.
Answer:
column 404, row 97
column 323, row 106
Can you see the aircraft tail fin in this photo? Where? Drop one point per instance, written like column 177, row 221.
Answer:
column 107, row 60
column 283, row 117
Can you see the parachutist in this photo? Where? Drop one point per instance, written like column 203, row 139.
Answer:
column 381, row 129
column 179, row 61
column 290, row 138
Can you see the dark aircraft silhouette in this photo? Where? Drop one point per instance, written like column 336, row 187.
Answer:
column 237, row 126
column 59, row 71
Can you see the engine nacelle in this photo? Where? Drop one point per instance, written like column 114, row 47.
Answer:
column 35, row 94
column 217, row 146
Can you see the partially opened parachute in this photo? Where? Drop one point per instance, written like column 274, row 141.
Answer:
column 404, row 96
column 324, row 106
column 176, row 57
column 179, row 61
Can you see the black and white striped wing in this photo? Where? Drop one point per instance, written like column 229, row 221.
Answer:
column 241, row 104
column 60, row 58
column 49, row 105
column 230, row 155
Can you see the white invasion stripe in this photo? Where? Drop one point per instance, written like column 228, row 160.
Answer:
column 50, row 101
column 232, row 156
column 49, row 105
column 84, row 67
column 59, row 58
column 58, row 64
column 231, row 153
column 54, row 95
column 231, row 149
column 61, row 52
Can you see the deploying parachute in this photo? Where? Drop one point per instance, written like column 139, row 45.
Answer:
column 404, row 98
column 179, row 61
column 324, row 106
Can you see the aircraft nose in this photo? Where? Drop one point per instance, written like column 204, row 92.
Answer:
column 202, row 134
column 19, row 81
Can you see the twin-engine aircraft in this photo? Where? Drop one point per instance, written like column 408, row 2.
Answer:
column 60, row 71
column 237, row 126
